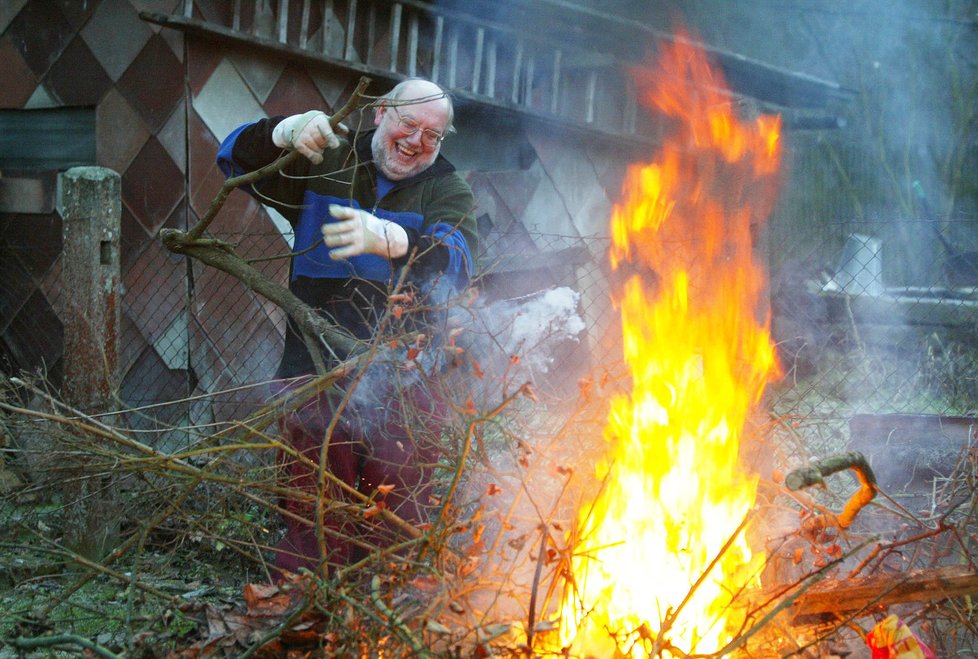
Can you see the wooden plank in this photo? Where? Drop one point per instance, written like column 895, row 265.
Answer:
column 531, row 65
column 631, row 106
column 412, row 63
column 590, row 96
column 490, row 86
column 877, row 591
column 395, row 35
column 452, row 54
column 480, row 38
column 283, row 21
column 371, row 33
column 555, row 84
column 304, row 25
column 436, row 48
column 351, row 26
column 328, row 18
column 517, row 68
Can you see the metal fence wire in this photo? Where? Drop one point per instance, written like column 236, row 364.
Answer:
column 869, row 317
column 878, row 317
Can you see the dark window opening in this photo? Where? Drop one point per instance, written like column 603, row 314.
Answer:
column 46, row 139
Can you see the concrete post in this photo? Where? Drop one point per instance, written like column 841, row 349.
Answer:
column 90, row 204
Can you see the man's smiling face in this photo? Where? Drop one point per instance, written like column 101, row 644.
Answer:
column 403, row 144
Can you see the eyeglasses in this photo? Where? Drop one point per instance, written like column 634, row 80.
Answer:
column 429, row 138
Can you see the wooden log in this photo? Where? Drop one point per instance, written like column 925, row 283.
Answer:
column 835, row 598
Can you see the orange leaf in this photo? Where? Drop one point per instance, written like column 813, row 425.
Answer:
column 267, row 600
column 401, row 297
column 372, row 511
column 255, row 592
column 425, row 583
column 477, row 369
column 493, row 490
column 584, row 385
column 397, row 311
column 385, row 489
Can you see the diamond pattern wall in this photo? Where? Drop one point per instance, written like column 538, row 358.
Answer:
column 163, row 102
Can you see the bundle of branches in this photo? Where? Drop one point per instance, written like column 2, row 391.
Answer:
column 119, row 540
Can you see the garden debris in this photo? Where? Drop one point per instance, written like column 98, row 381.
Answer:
column 275, row 618
column 892, row 639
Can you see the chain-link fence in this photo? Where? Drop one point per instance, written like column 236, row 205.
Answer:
column 875, row 317
column 878, row 317
column 859, row 340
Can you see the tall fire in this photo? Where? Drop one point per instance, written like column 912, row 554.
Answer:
column 662, row 553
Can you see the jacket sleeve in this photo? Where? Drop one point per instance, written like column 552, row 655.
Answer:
column 249, row 148
column 448, row 241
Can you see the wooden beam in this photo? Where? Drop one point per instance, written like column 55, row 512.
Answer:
column 636, row 145
column 869, row 594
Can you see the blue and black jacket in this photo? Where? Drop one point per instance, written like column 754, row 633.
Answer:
column 435, row 207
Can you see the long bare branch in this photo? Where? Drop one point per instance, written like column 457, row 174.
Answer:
column 246, row 179
column 315, row 330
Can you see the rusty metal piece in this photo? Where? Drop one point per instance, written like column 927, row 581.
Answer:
column 818, row 470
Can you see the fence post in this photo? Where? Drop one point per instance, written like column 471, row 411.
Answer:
column 90, row 204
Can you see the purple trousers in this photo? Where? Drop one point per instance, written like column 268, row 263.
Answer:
column 388, row 442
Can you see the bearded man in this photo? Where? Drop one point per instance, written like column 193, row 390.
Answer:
column 365, row 208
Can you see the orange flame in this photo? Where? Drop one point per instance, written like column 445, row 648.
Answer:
column 662, row 550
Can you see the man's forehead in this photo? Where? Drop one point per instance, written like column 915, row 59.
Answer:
column 417, row 94
column 420, row 89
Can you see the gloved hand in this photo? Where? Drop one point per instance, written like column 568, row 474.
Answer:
column 308, row 133
column 359, row 232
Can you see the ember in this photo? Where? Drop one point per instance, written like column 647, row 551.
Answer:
column 661, row 551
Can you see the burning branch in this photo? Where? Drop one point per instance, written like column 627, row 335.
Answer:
column 817, row 471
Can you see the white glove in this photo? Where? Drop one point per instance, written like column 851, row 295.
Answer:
column 308, row 133
column 359, row 232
